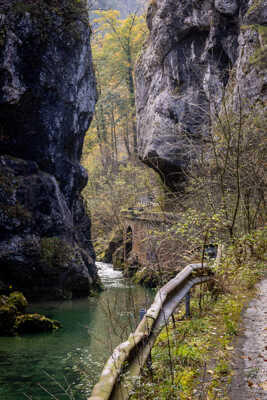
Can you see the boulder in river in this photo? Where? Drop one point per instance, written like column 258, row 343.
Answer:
column 34, row 323
column 13, row 318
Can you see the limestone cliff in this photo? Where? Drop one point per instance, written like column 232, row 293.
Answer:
column 47, row 99
column 196, row 52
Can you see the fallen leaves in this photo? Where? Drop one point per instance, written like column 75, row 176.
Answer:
column 246, row 358
column 264, row 385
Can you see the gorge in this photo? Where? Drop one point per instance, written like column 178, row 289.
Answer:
column 195, row 56
column 203, row 65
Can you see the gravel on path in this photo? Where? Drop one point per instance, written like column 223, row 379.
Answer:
column 250, row 360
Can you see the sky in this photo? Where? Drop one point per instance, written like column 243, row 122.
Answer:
column 124, row 6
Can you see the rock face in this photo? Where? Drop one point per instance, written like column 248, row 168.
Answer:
column 196, row 52
column 47, row 99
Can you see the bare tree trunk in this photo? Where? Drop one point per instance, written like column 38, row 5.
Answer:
column 126, row 137
column 114, row 138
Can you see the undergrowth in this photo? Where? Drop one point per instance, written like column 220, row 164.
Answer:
column 192, row 356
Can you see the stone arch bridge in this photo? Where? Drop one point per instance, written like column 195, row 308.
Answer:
column 138, row 226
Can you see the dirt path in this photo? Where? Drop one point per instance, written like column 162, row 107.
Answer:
column 250, row 362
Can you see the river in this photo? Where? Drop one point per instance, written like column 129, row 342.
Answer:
column 65, row 364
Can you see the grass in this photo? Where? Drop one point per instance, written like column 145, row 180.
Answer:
column 192, row 357
column 201, row 350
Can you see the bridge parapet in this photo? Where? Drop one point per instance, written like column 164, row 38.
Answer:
column 139, row 240
column 153, row 216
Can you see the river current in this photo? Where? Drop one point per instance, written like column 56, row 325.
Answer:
column 65, row 364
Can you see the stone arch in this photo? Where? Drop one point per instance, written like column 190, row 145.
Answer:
column 128, row 241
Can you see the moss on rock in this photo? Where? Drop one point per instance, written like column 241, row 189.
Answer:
column 54, row 251
column 12, row 319
column 259, row 58
column 256, row 4
column 115, row 242
column 35, row 323
column 17, row 300
column 44, row 13
column 118, row 258
column 147, row 277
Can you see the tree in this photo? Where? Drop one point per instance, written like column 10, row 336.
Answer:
column 117, row 179
column 115, row 46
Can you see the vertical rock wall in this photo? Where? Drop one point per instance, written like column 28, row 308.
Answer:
column 47, row 99
column 196, row 52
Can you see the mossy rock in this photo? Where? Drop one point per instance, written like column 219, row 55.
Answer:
column 115, row 242
column 118, row 258
column 147, row 277
column 55, row 251
column 7, row 318
column 13, row 321
column 35, row 323
column 255, row 6
column 45, row 13
column 18, row 300
column 10, row 306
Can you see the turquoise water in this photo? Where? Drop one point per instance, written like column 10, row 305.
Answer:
column 65, row 364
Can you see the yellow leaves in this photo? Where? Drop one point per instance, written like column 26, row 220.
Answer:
column 115, row 46
column 264, row 385
column 119, row 34
column 104, row 19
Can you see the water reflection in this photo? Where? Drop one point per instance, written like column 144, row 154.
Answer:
column 67, row 362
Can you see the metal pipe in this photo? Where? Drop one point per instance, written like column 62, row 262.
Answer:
column 136, row 350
